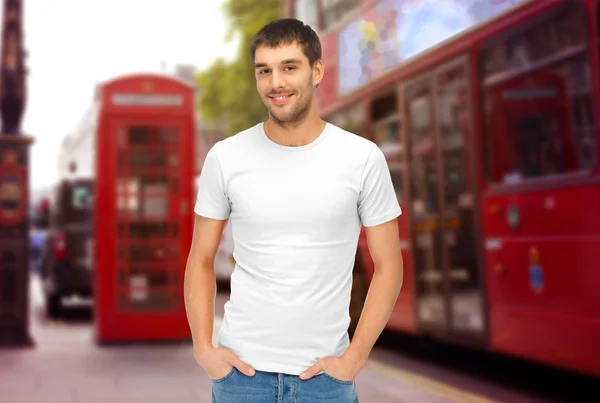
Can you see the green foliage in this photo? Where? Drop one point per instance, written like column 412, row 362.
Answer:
column 228, row 90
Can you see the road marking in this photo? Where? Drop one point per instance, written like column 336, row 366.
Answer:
column 422, row 382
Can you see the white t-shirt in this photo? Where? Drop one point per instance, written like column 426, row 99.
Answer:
column 296, row 215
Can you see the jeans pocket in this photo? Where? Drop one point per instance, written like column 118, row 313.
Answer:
column 222, row 379
column 337, row 380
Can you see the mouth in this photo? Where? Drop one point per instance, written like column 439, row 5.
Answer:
column 280, row 99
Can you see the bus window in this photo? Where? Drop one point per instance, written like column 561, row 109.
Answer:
column 334, row 11
column 386, row 134
column 423, row 172
column 305, row 11
column 351, row 120
column 538, row 100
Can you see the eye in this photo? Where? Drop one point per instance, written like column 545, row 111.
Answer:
column 290, row 68
column 263, row 71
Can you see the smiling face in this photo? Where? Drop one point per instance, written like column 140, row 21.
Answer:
column 286, row 82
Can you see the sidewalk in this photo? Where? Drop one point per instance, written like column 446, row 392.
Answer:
column 67, row 367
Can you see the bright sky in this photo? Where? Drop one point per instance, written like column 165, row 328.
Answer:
column 74, row 44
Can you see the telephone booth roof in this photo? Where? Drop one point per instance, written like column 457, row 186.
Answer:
column 146, row 91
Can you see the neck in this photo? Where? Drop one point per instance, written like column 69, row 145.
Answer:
column 298, row 133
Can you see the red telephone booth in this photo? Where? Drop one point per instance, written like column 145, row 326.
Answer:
column 144, row 199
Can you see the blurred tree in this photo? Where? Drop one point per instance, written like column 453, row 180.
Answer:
column 228, row 90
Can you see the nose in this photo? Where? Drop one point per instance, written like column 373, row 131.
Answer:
column 276, row 80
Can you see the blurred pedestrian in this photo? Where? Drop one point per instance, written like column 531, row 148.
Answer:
column 36, row 240
column 297, row 190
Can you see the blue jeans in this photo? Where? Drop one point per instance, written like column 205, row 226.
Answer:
column 268, row 387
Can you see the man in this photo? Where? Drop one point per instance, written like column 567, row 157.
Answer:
column 297, row 190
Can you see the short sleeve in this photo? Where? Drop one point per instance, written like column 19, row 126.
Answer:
column 377, row 201
column 211, row 200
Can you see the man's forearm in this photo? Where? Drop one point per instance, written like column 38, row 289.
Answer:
column 379, row 304
column 199, row 293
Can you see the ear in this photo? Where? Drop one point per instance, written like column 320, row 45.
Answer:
column 318, row 72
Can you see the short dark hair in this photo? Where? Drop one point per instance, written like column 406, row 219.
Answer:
column 286, row 31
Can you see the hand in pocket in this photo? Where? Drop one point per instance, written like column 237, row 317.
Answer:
column 218, row 362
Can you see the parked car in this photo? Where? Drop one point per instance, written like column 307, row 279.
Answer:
column 66, row 260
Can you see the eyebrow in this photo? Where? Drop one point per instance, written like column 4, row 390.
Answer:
column 287, row 61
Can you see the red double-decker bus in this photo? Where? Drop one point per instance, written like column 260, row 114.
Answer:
column 487, row 112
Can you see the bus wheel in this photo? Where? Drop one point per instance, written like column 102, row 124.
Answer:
column 358, row 296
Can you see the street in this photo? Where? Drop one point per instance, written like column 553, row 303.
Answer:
column 66, row 366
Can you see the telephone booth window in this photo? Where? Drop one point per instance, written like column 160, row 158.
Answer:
column 148, row 177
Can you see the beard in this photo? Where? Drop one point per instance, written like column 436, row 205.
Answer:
column 296, row 114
